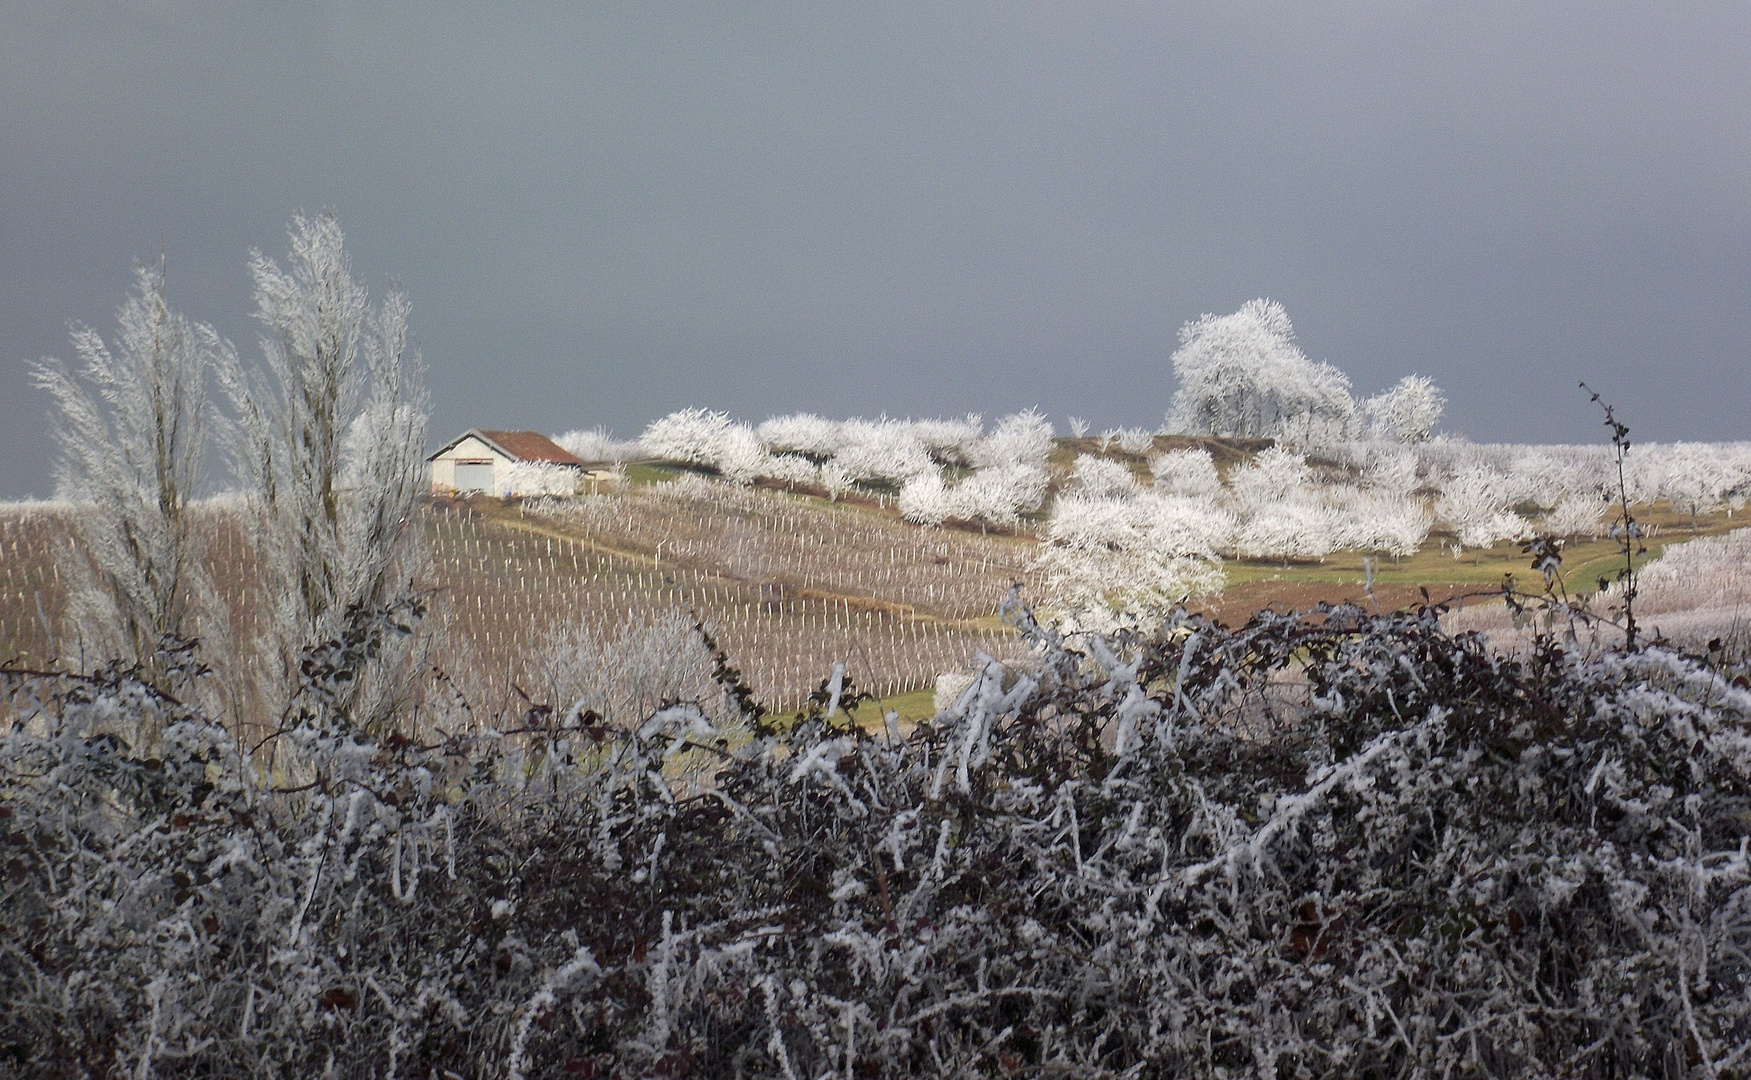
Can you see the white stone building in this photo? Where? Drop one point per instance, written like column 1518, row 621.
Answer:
column 504, row 463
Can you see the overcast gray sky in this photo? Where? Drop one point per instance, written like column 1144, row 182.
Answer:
column 604, row 212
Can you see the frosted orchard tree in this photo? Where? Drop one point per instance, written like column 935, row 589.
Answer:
column 1242, row 376
column 690, row 436
column 1113, row 560
column 328, row 441
column 132, row 427
column 1281, row 516
column 1190, row 472
column 1407, row 412
column 1474, row 504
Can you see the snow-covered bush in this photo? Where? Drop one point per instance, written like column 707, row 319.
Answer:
column 1474, row 504
column 1280, row 515
column 926, row 500
column 1576, row 514
column 692, row 436
column 1190, row 472
column 999, row 494
column 882, row 451
column 1242, row 376
column 1347, row 845
column 790, row 469
column 597, row 445
column 1101, row 477
column 712, row 439
column 1379, row 520
column 951, row 441
column 1407, row 412
column 1023, row 438
column 1119, row 559
column 800, row 433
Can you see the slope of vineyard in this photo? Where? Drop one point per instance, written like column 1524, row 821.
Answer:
column 788, row 586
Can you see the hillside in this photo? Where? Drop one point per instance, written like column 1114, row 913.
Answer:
column 788, row 582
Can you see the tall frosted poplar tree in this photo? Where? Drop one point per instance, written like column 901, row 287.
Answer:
column 327, row 442
column 132, row 429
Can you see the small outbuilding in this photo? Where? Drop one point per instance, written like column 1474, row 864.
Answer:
column 506, row 464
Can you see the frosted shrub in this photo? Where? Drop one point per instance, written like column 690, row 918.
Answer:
column 1576, row 514
column 800, row 433
column 1408, row 412
column 951, row 442
column 1136, row 441
column 999, row 494
column 1372, row 520
column 1280, row 515
column 1190, row 473
column 1101, row 477
column 1112, row 560
column 1474, row 505
column 689, row 436
column 740, row 457
column 884, row 451
column 596, row 445
column 1021, row 439
column 925, row 500
column 790, row 469
column 1347, row 845
column 1390, row 471
column 541, row 478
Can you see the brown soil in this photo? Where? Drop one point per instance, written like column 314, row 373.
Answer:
column 1238, row 602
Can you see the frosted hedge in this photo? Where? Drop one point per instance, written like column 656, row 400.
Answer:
column 1333, row 845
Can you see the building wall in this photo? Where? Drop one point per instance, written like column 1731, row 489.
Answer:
column 471, row 448
column 509, row 477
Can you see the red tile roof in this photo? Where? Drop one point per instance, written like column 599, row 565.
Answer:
column 521, row 446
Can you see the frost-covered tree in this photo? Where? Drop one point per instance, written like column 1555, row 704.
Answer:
column 1474, row 504
column 881, row 451
column 596, row 445
column 1576, row 514
column 1392, row 472
column 926, row 500
column 999, row 494
column 1372, row 519
column 1101, row 477
column 703, row 437
column 1242, row 376
column 800, row 433
column 691, row 436
column 1023, row 438
column 132, row 430
column 1280, row 516
column 740, row 457
column 1407, row 412
column 328, row 441
column 1190, row 472
column 951, row 442
column 1126, row 558
column 790, row 469
column 1696, row 478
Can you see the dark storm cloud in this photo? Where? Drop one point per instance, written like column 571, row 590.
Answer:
column 605, row 214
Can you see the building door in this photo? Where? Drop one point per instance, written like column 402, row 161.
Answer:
column 474, row 476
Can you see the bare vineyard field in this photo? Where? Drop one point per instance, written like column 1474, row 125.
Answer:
column 784, row 608
column 31, row 594
column 787, row 586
